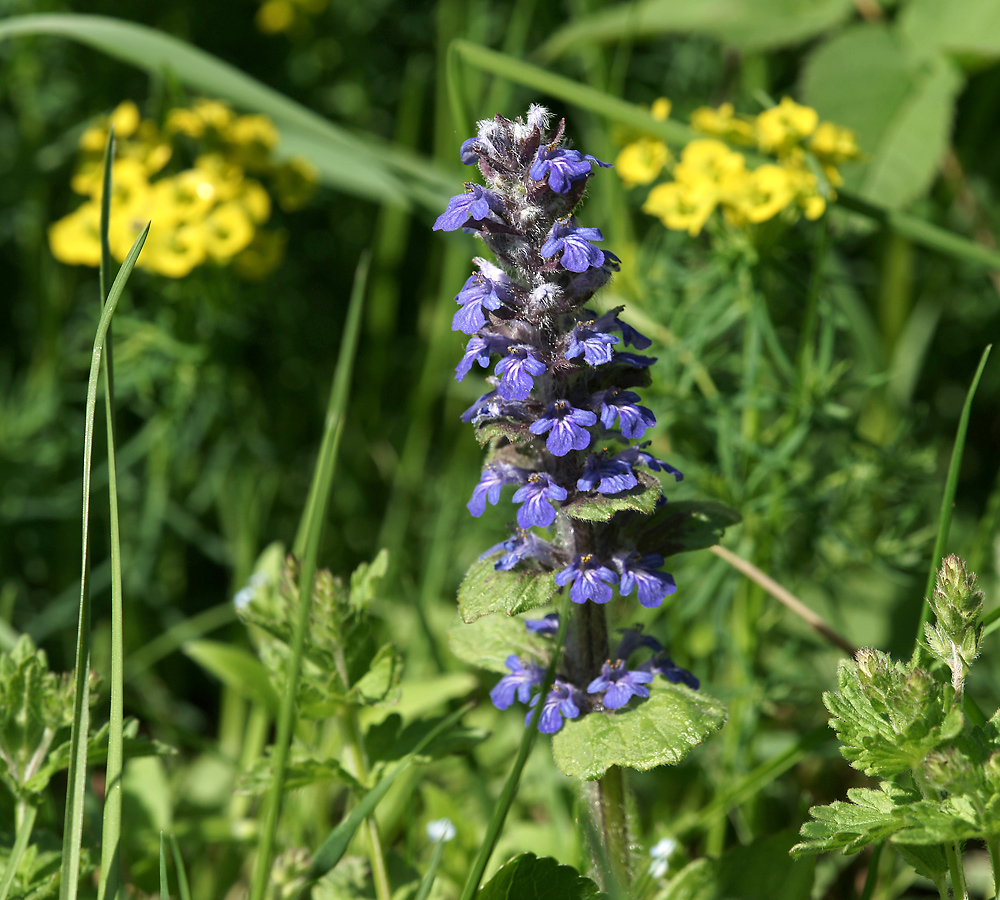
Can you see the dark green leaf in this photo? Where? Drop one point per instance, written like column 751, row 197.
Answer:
column 485, row 590
column 528, row 877
column 488, row 642
column 389, row 740
column 681, row 526
column 514, row 432
column 601, row 507
column 659, row 731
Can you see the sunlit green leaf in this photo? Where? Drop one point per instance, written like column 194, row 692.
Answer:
column 528, row 877
column 489, row 640
column 485, row 590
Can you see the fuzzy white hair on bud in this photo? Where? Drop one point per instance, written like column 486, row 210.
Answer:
column 538, row 116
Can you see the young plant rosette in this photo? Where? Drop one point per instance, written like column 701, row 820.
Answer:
column 560, row 418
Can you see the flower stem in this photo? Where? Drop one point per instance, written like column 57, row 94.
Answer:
column 958, row 885
column 994, row 847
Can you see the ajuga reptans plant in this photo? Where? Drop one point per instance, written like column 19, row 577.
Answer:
column 562, row 422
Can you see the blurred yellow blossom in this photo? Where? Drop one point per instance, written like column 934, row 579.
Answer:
column 783, row 127
column 276, row 16
column 711, row 175
column 208, row 212
column 641, row 161
column 660, row 110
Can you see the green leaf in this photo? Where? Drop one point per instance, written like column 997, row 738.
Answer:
column 389, row 740
column 366, row 578
column 601, row 507
column 383, row 675
column 528, row 877
column 870, row 816
column 511, row 431
column 762, row 870
column 966, row 27
column 236, row 668
column 681, row 526
column 866, row 80
column 488, row 642
column 659, row 731
column 485, row 590
column 303, row 770
column 746, row 24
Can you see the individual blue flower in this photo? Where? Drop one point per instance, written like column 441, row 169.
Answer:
column 642, row 572
column 469, row 151
column 664, row 666
column 477, row 293
column 517, row 371
column 490, row 483
column 620, row 684
column 475, row 204
column 535, row 497
column 558, row 704
column 635, row 360
column 638, row 456
column 476, row 351
column 563, row 167
column 632, row 640
column 546, row 625
column 593, row 344
column 521, row 545
column 623, row 405
column 567, row 427
column 521, row 680
column 578, row 253
column 591, row 579
column 606, row 476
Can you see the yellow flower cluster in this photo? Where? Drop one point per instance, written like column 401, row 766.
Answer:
column 210, row 212
column 710, row 174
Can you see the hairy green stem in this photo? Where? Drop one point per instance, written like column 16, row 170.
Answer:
column 994, row 847
column 958, row 886
column 871, row 878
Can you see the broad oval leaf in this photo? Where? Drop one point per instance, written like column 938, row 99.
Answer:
column 236, row 668
column 659, row 731
column 529, row 877
column 485, row 590
column 488, row 642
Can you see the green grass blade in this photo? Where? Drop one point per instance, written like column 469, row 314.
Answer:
column 948, row 501
column 76, row 782
column 307, row 548
column 183, row 891
column 17, row 851
column 111, row 862
column 424, row 890
column 916, row 229
column 361, row 166
column 335, row 846
column 503, row 805
column 164, row 882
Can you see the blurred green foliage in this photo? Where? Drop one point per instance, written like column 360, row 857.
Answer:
column 809, row 377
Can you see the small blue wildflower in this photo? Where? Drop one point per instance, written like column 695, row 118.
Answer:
column 660, row 854
column 563, row 167
column 578, row 253
column 546, row 625
column 632, row 337
column 620, row 684
column 591, row 580
column 475, row 204
column 664, row 666
column 517, row 371
column 608, row 476
column 623, row 405
column 641, row 571
column 490, row 483
column 567, row 427
column 477, row 293
column 521, row 680
column 535, row 497
column 440, row 831
column 476, row 351
column 593, row 344
column 558, row 703
column 522, row 544
column 632, row 640
column 638, row 456
column 635, row 360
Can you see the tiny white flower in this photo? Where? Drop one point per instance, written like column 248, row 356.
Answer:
column 660, row 853
column 440, row 830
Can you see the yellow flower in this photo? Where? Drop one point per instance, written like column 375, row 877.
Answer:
column 76, row 238
column 184, row 121
column 785, row 125
column 185, row 197
column 833, row 144
column 660, row 109
column 768, row 189
column 295, row 183
column 641, row 161
column 227, row 230
column 225, row 176
column 256, row 201
column 255, row 129
column 807, row 192
column 213, row 113
column 709, row 161
column 722, row 123
column 680, row 206
column 275, row 16
column 125, row 118
column 173, row 250
column 262, row 256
